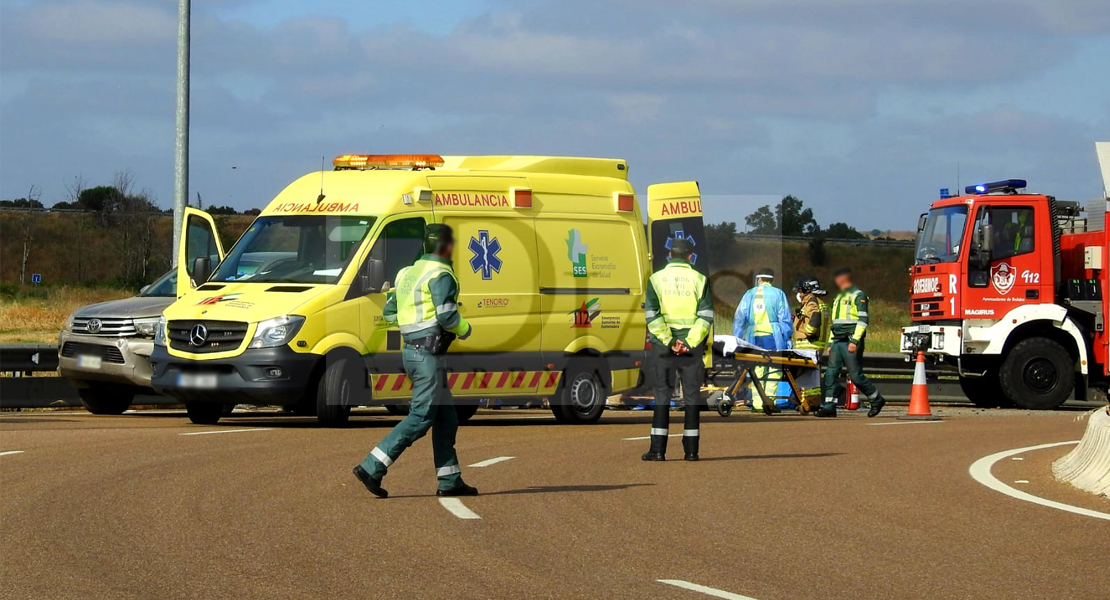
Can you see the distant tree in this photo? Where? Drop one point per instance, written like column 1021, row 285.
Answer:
column 97, row 199
column 222, row 210
column 63, row 205
column 788, row 218
column 27, row 224
column 876, row 233
column 719, row 239
column 843, row 231
column 254, row 212
column 22, row 202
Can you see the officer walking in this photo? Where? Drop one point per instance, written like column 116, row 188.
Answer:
column 849, row 331
column 425, row 305
column 679, row 314
column 811, row 332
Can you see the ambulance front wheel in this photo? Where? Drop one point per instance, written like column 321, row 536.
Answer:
column 204, row 413
column 581, row 397
column 339, row 388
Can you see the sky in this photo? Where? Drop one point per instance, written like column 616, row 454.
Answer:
column 864, row 109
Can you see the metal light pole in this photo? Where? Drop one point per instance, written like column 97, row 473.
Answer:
column 181, row 143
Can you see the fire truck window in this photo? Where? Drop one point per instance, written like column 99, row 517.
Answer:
column 1013, row 231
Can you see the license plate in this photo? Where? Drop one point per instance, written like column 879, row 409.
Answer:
column 923, row 329
column 205, row 381
column 89, row 361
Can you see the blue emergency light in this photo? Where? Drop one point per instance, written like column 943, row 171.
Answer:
column 1009, row 186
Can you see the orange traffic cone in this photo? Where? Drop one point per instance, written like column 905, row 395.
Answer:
column 919, row 394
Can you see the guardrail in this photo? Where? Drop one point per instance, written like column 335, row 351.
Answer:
column 19, row 388
column 851, row 242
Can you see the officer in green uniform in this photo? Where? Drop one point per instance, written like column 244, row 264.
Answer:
column 679, row 314
column 849, row 330
column 425, row 305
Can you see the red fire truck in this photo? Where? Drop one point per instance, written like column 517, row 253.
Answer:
column 1011, row 289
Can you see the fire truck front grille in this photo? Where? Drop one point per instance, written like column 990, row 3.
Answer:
column 928, row 307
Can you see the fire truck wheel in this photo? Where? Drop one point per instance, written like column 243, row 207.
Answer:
column 1038, row 374
column 985, row 391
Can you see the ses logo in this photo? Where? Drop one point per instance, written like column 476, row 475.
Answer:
column 484, row 250
column 584, row 315
column 576, row 252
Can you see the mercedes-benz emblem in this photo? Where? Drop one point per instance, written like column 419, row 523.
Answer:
column 93, row 325
column 198, row 335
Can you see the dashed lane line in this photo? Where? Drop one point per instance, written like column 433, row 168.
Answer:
column 226, row 431
column 980, row 471
column 491, row 461
column 11, row 452
column 708, row 591
column 457, row 508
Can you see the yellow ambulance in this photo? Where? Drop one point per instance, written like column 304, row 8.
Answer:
column 552, row 257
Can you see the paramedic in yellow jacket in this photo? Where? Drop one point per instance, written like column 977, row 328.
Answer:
column 679, row 313
column 425, row 306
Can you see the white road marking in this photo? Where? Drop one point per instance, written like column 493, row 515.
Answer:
column 980, row 471
column 708, row 591
column 10, row 452
column 226, row 431
column 905, row 422
column 1021, row 481
column 1017, row 458
column 647, row 437
column 457, row 508
column 491, row 461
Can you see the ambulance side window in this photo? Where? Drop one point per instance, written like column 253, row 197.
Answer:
column 399, row 245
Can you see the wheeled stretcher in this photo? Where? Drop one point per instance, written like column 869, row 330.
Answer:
column 734, row 364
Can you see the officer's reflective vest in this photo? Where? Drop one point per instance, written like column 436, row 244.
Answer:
column 415, row 309
column 679, row 288
column 848, row 320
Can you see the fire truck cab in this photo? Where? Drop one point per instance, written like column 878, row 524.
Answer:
column 1010, row 289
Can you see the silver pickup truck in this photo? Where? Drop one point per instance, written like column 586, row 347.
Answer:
column 104, row 351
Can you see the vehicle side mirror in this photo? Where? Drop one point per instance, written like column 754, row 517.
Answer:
column 921, row 222
column 143, row 289
column 374, row 278
column 202, row 269
column 986, row 238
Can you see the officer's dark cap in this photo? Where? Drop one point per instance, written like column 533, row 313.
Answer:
column 765, row 273
column 437, row 234
column 681, row 247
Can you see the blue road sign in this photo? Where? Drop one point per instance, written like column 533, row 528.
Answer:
column 36, row 278
column 944, row 193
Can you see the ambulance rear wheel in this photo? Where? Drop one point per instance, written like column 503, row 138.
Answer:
column 465, row 411
column 985, row 391
column 1038, row 374
column 582, row 396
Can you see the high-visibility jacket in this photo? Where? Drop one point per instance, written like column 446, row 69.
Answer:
column 849, row 315
column 764, row 301
column 812, row 324
column 678, row 305
column 425, row 300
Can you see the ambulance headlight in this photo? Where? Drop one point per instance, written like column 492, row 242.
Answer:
column 276, row 332
column 160, row 332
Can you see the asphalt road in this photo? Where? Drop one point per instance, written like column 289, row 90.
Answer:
column 780, row 508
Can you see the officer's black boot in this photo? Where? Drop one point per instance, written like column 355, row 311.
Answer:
column 658, row 450
column 459, row 490
column 876, row 406
column 690, row 446
column 827, row 410
column 374, row 486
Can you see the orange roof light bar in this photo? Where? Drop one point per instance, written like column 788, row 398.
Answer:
column 379, row 161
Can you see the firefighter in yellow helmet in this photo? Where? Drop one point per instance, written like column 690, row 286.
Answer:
column 679, row 315
column 425, row 305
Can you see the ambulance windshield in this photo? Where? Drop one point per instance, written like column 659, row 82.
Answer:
column 294, row 249
column 940, row 240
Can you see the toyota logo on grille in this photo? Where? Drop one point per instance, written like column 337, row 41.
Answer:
column 93, row 326
column 198, row 335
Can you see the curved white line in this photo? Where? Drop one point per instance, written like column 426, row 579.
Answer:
column 457, row 508
column 708, row 591
column 10, row 452
column 980, row 471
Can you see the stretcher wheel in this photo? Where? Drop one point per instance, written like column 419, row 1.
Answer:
column 724, row 407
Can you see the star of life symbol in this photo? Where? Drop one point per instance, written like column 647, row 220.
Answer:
column 485, row 257
column 689, row 238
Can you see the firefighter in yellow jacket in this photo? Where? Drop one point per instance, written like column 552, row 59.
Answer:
column 679, row 315
column 425, row 305
column 811, row 332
